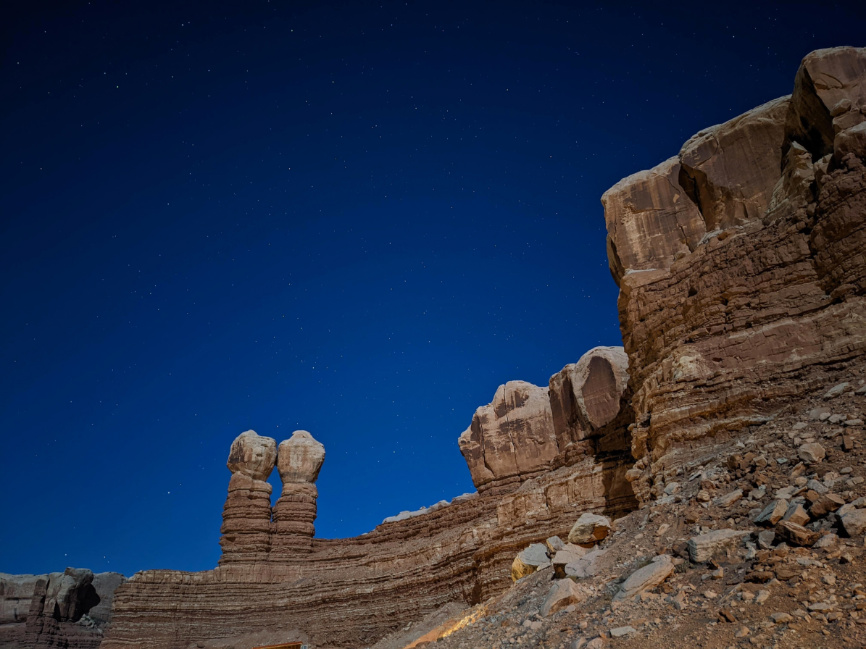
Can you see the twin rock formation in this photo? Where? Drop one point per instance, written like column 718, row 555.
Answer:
column 251, row 531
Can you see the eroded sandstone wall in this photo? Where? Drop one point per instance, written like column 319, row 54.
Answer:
column 741, row 262
column 539, row 456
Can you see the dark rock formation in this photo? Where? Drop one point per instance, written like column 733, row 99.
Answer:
column 61, row 609
column 741, row 262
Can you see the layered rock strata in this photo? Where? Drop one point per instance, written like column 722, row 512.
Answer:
column 60, row 609
column 299, row 460
column 741, row 262
column 246, row 528
column 352, row 592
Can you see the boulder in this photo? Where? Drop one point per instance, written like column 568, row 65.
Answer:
column 811, row 453
column 645, row 578
column 772, row 513
column 704, row 547
column 562, row 593
column 589, row 529
column 854, row 522
column 587, row 566
column 568, row 554
column 529, row 560
column 795, row 534
column 300, row 458
column 252, row 455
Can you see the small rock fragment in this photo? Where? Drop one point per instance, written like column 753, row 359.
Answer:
column 811, row 453
column 702, row 548
column 772, row 513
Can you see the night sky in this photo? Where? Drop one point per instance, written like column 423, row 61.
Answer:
column 356, row 219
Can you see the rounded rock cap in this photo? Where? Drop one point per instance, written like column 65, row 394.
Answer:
column 252, row 455
column 300, row 458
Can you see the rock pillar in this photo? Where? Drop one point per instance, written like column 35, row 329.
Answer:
column 299, row 461
column 247, row 512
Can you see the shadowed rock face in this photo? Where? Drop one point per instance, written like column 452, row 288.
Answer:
column 48, row 610
column 587, row 395
column 721, row 328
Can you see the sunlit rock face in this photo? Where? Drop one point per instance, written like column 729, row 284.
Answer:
column 299, row 460
column 741, row 262
column 246, row 528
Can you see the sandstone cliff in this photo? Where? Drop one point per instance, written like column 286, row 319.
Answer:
column 741, row 263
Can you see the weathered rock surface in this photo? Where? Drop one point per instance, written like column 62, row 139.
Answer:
column 247, row 512
column 527, row 429
column 562, row 593
column 299, row 461
column 642, row 579
column 529, row 560
column 46, row 610
column 590, row 406
column 589, row 529
column 704, row 547
column 511, row 438
column 740, row 263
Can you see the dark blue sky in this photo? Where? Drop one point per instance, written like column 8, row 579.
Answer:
column 352, row 218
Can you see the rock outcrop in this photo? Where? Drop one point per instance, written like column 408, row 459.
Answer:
column 246, row 528
column 590, row 405
column 299, row 460
column 741, row 263
column 527, row 429
column 511, row 438
column 61, row 609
